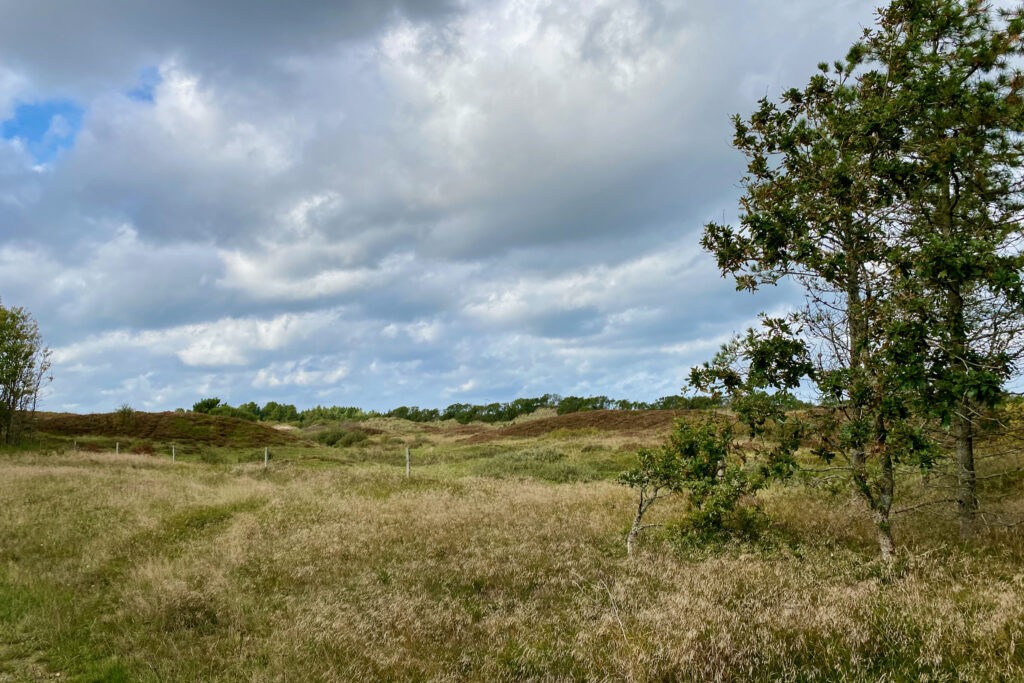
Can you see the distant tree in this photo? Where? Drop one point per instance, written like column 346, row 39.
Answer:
column 278, row 412
column 333, row 413
column 205, row 405
column 251, row 409
column 24, row 364
column 125, row 416
column 575, row 404
column 460, row 412
column 415, row 414
column 225, row 410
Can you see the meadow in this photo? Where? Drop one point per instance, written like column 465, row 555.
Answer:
column 501, row 558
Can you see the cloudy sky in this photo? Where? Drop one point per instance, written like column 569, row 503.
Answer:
column 382, row 203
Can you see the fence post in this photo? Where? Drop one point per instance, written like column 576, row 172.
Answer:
column 407, row 461
column 266, row 455
column 172, row 452
column 117, row 448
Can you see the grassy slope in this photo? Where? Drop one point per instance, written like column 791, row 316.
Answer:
column 331, row 565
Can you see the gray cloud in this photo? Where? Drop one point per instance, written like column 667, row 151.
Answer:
column 387, row 203
column 83, row 45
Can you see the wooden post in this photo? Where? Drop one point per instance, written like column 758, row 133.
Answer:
column 407, row 461
column 172, row 452
column 117, row 448
column 76, row 445
column 266, row 455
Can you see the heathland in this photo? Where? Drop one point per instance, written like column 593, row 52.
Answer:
column 500, row 557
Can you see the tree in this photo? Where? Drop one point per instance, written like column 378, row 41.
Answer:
column 24, row 364
column 813, row 211
column 703, row 460
column 888, row 188
column 279, row 412
column 205, row 405
column 945, row 65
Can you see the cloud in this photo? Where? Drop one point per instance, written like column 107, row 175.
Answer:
column 230, row 341
column 82, row 46
column 383, row 203
column 307, row 372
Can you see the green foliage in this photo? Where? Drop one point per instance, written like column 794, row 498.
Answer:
column 224, row 410
column 575, row 404
column 249, row 411
column 205, row 405
column 277, row 412
column 332, row 414
column 465, row 413
column 124, row 417
column 416, row 414
column 710, row 473
column 24, row 364
column 703, row 462
column 889, row 189
column 341, row 438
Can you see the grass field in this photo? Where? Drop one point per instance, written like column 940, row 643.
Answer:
column 500, row 558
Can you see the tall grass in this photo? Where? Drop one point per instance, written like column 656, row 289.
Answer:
column 131, row 568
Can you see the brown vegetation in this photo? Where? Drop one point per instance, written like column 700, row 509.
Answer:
column 183, row 428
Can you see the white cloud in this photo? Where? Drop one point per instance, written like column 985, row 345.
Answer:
column 308, row 372
column 229, row 341
column 13, row 86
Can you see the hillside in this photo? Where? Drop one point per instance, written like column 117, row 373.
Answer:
column 189, row 429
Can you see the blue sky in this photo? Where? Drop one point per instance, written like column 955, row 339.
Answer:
column 383, row 203
column 45, row 128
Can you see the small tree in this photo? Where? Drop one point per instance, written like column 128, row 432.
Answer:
column 658, row 474
column 24, row 364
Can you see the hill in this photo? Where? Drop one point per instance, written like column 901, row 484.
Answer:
column 189, row 429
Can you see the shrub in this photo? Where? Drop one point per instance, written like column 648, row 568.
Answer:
column 702, row 461
column 341, row 438
column 125, row 416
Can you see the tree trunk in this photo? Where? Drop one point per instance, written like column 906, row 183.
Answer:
column 963, row 423
column 631, row 537
column 963, row 419
column 878, row 495
column 966, row 489
column 886, row 493
column 641, row 508
column 886, row 545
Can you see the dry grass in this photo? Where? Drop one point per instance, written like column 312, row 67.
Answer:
column 131, row 568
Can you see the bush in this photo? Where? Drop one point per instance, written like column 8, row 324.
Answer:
column 702, row 461
column 125, row 416
column 224, row 410
column 341, row 438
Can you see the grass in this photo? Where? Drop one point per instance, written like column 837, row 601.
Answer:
column 497, row 560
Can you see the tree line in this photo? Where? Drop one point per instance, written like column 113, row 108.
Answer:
column 462, row 413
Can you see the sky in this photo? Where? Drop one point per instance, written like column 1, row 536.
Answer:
column 381, row 203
